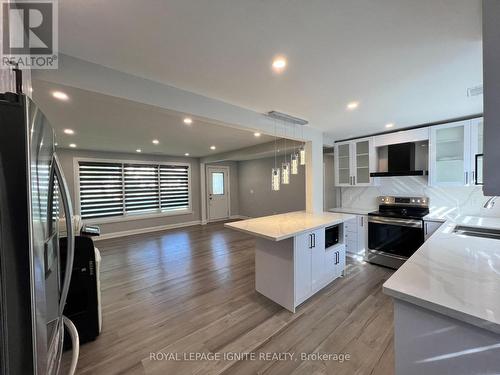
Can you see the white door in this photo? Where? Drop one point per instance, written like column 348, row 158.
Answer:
column 303, row 246
column 218, row 193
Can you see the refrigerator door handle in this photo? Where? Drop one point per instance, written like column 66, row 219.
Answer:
column 68, row 213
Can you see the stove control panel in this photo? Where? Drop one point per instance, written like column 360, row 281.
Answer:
column 404, row 201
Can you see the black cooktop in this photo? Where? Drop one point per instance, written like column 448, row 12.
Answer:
column 401, row 212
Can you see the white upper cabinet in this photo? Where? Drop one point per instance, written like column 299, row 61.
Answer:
column 453, row 148
column 353, row 162
column 343, row 163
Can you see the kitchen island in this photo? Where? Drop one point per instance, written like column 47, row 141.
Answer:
column 293, row 256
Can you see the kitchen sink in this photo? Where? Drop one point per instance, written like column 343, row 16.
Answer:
column 477, row 232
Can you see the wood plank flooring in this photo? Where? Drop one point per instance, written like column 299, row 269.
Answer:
column 191, row 290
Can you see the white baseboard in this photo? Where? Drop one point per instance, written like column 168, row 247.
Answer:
column 124, row 233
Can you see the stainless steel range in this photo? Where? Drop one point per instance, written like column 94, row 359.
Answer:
column 396, row 230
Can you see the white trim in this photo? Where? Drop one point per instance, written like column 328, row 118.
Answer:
column 145, row 230
column 227, row 187
column 203, row 195
column 125, row 217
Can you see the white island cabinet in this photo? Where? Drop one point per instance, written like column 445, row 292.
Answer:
column 292, row 262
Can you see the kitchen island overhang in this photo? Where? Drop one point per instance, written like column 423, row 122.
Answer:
column 292, row 262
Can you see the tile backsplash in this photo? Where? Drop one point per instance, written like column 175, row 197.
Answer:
column 459, row 200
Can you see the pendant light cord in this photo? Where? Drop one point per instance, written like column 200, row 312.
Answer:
column 275, row 144
column 284, row 151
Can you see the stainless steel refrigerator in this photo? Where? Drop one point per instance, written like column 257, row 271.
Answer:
column 33, row 281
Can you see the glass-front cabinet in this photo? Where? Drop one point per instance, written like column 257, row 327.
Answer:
column 353, row 162
column 343, row 164
column 453, row 150
column 362, row 153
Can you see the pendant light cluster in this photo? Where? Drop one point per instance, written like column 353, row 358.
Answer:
column 290, row 163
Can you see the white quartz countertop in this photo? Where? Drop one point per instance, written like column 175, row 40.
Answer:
column 352, row 210
column 283, row 226
column 454, row 275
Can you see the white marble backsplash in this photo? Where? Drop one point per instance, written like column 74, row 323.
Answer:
column 458, row 200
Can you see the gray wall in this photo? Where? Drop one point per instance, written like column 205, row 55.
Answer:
column 255, row 195
column 233, row 183
column 66, row 157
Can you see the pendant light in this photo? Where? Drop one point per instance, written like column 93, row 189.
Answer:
column 285, row 166
column 275, row 173
column 302, row 150
column 302, row 153
column 294, row 158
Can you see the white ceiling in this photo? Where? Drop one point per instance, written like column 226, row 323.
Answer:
column 106, row 123
column 406, row 61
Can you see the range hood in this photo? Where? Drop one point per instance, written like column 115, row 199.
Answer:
column 400, row 161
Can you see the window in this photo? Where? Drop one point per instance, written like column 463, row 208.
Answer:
column 127, row 189
column 218, row 183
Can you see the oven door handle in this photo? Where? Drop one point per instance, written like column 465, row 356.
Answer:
column 393, row 221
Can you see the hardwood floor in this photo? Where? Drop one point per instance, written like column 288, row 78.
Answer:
column 191, row 290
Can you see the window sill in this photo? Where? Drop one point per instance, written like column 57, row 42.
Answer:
column 118, row 219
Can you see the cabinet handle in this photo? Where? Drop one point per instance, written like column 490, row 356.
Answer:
column 310, row 241
column 426, row 231
column 354, row 180
column 314, row 239
column 466, row 174
column 362, row 221
column 473, row 181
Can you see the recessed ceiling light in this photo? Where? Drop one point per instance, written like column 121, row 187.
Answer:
column 60, row 95
column 188, row 121
column 279, row 64
column 212, row 147
column 155, row 141
column 72, row 145
column 389, row 125
column 56, row 144
column 256, row 134
column 186, row 154
column 69, row 131
column 138, row 150
column 352, row 106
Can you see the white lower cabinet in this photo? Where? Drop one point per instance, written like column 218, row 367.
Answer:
column 356, row 235
column 315, row 266
column 290, row 271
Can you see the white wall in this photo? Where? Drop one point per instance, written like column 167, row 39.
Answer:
column 460, row 200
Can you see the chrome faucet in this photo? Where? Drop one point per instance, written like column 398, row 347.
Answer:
column 490, row 202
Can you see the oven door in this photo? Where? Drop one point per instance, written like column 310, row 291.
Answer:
column 397, row 237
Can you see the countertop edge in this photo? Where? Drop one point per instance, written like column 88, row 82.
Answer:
column 290, row 235
column 443, row 310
